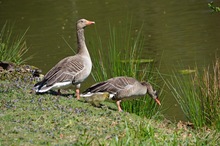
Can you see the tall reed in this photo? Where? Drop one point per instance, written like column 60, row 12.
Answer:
column 121, row 57
column 12, row 48
column 199, row 95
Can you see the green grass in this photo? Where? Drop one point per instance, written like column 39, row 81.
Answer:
column 30, row 119
column 122, row 57
column 12, row 46
column 198, row 95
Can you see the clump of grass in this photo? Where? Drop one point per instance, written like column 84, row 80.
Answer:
column 121, row 58
column 12, row 48
column 143, row 133
column 210, row 91
column 198, row 95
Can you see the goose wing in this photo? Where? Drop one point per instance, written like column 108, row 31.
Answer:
column 65, row 70
column 113, row 85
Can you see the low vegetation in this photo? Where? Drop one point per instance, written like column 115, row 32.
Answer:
column 12, row 47
column 30, row 119
column 199, row 94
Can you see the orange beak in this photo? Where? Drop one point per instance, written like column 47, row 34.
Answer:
column 90, row 22
column 158, row 101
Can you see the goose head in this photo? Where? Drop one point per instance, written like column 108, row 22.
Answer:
column 82, row 23
column 153, row 93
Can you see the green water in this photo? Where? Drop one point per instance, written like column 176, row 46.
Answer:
column 178, row 34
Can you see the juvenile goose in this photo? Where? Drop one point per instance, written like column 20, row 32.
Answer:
column 122, row 88
column 72, row 70
column 96, row 98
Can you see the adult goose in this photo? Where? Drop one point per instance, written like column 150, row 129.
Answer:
column 72, row 70
column 122, row 88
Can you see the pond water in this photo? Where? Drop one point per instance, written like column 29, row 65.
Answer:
column 178, row 34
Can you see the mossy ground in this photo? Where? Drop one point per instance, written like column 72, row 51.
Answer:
column 46, row 119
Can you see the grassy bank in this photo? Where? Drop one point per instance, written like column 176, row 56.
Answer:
column 29, row 119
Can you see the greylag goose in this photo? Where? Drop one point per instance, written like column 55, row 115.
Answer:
column 122, row 88
column 72, row 70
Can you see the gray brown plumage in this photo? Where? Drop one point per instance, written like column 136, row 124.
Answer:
column 122, row 88
column 71, row 70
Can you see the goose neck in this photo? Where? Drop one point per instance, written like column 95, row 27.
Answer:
column 82, row 49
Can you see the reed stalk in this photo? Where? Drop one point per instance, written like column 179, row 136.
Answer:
column 12, row 48
column 198, row 95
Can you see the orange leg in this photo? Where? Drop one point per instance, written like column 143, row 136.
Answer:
column 77, row 94
column 119, row 107
column 58, row 92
